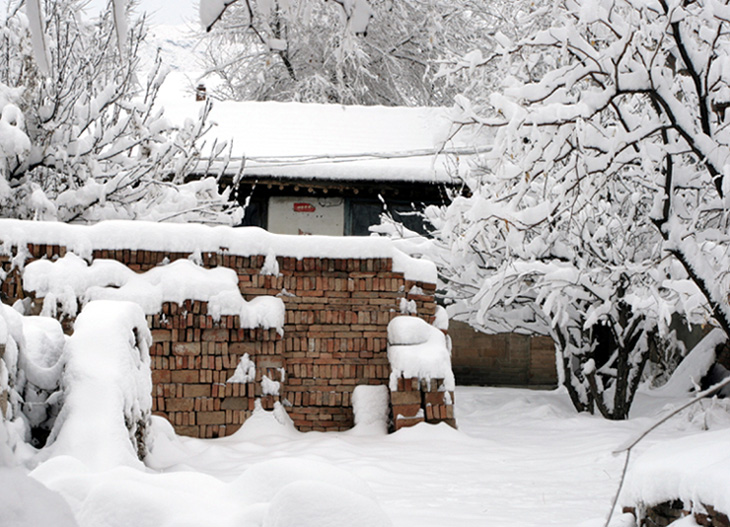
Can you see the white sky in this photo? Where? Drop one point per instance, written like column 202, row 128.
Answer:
column 159, row 11
column 162, row 11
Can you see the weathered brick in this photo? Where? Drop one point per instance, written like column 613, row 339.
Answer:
column 217, row 335
column 197, row 390
column 186, row 348
column 336, row 328
column 404, row 422
column 211, row 418
column 161, row 335
column 405, row 398
column 237, row 403
column 406, row 410
column 161, row 377
column 179, row 404
column 185, row 376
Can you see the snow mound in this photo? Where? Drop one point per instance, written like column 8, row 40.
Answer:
column 70, row 281
column 418, row 349
column 693, row 367
column 125, row 496
column 264, row 481
column 106, row 387
column 370, row 406
column 24, row 502
column 430, row 433
column 694, row 469
column 317, row 504
column 263, row 425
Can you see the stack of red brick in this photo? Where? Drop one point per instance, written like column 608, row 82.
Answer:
column 193, row 356
column 422, row 400
column 335, row 338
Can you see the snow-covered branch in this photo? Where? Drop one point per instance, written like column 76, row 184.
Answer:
column 92, row 143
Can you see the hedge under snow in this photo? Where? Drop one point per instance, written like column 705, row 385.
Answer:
column 107, row 388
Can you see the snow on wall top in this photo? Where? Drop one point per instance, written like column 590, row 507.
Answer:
column 693, row 468
column 325, row 141
column 242, row 241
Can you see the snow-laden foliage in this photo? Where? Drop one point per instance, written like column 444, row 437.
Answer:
column 355, row 51
column 107, row 386
column 13, row 428
column 81, row 138
column 577, row 260
column 601, row 210
column 31, row 352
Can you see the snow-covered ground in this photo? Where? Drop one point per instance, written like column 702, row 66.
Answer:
column 520, row 457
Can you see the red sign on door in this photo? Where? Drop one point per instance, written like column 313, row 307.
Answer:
column 304, row 207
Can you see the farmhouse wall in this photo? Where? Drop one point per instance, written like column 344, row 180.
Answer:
column 505, row 359
column 335, row 338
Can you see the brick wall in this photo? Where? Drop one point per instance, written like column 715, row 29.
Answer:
column 335, row 338
column 506, row 359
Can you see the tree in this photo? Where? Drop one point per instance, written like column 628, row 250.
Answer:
column 610, row 154
column 577, row 260
column 81, row 139
column 380, row 52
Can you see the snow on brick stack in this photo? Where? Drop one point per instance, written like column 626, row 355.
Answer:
column 308, row 314
column 421, row 382
column 668, row 512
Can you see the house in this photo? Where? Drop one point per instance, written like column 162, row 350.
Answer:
column 331, row 169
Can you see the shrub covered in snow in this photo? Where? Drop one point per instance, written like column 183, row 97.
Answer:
column 11, row 426
column 106, row 387
column 30, row 369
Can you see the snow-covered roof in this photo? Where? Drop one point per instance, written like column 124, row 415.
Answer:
column 335, row 142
